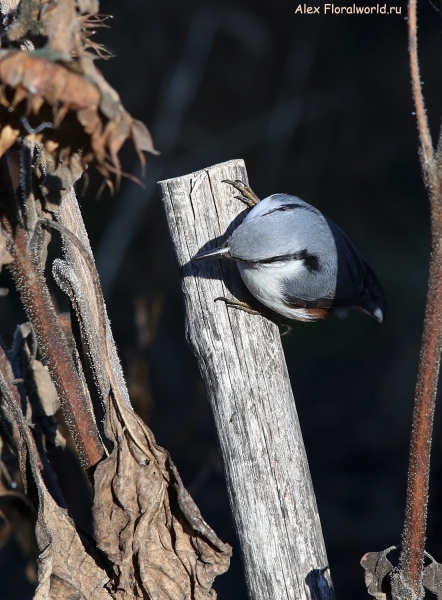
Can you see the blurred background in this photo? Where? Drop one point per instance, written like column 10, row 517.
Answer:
column 319, row 107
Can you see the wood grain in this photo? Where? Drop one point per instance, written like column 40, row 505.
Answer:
column 241, row 360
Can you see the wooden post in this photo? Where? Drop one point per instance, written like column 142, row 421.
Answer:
column 242, row 363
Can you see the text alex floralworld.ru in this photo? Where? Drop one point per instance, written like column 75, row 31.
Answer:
column 378, row 9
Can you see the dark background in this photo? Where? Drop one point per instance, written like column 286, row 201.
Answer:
column 319, row 107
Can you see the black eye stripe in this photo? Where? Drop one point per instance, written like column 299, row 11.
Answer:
column 286, row 207
column 311, row 261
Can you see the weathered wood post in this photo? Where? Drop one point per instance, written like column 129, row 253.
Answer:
column 242, row 363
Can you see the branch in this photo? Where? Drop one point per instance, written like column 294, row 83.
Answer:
column 421, row 115
column 412, row 556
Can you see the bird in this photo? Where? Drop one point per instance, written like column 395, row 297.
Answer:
column 297, row 262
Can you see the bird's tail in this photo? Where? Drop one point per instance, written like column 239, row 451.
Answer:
column 216, row 253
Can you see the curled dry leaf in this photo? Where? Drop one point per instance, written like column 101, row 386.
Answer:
column 146, row 522
column 386, row 582
column 66, row 106
column 377, row 567
column 69, row 566
column 7, row 6
column 5, row 257
column 432, row 578
column 45, row 388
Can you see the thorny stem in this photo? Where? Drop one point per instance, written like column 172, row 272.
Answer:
column 419, row 467
column 421, row 116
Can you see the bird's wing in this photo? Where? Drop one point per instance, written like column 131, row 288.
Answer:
column 355, row 280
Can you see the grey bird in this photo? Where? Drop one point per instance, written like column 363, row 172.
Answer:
column 297, row 262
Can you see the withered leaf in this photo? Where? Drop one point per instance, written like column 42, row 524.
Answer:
column 45, row 388
column 377, row 566
column 6, row 6
column 146, row 522
column 8, row 137
column 141, row 136
column 432, row 579
column 49, row 403
column 89, row 7
column 69, row 566
column 5, row 256
column 68, row 107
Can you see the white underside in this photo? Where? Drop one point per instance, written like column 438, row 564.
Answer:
column 266, row 283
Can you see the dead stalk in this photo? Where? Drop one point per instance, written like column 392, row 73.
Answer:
column 419, row 466
column 36, row 299
column 42, row 315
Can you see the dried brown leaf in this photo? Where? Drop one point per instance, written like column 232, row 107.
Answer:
column 147, row 523
column 45, row 388
column 60, row 24
column 66, row 106
column 89, row 7
column 7, row 6
column 69, row 566
column 377, row 567
column 432, row 578
column 40, row 76
column 8, row 137
column 142, row 138
column 5, row 257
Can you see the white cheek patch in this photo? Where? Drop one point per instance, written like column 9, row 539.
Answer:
column 283, row 268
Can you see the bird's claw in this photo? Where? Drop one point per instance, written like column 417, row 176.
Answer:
column 248, row 195
column 238, row 305
column 245, row 307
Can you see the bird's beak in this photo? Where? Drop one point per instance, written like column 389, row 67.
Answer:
column 216, row 253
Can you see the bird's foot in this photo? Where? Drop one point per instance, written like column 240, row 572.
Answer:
column 245, row 307
column 248, row 196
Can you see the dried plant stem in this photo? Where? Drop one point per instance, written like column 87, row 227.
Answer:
column 41, row 313
column 417, row 492
column 37, row 302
